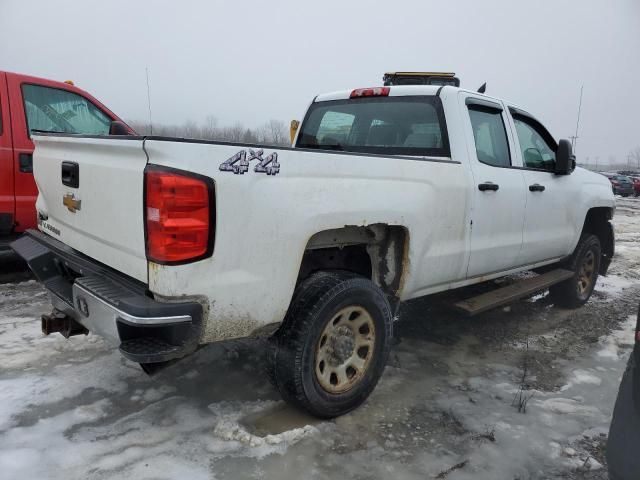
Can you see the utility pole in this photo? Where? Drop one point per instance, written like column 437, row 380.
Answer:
column 574, row 138
column 149, row 102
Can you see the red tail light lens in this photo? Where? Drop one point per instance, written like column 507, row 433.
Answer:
column 177, row 216
column 370, row 92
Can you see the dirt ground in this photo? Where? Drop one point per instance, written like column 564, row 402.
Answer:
column 525, row 392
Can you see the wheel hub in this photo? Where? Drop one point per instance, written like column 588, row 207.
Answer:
column 345, row 349
column 586, row 273
column 340, row 345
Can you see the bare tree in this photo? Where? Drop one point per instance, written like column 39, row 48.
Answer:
column 273, row 132
column 190, row 129
column 277, row 132
column 210, row 127
column 233, row 134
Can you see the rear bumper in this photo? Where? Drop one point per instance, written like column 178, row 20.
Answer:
column 110, row 304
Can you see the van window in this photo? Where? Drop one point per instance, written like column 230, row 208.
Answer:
column 411, row 125
column 55, row 110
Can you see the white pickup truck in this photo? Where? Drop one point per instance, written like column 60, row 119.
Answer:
column 387, row 194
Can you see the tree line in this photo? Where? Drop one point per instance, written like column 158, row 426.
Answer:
column 273, row 132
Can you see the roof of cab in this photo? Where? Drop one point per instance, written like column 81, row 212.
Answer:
column 400, row 91
column 397, row 91
column 408, row 90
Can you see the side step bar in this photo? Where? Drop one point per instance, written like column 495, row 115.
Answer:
column 502, row 296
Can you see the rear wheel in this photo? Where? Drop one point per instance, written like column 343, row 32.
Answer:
column 332, row 348
column 585, row 263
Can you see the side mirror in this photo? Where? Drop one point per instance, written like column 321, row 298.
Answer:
column 565, row 159
column 119, row 128
column 293, row 129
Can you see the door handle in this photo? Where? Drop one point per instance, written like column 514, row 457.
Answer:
column 483, row 187
column 70, row 174
column 536, row 187
column 26, row 162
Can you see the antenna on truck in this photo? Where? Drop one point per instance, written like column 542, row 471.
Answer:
column 483, row 88
column 574, row 138
column 149, row 102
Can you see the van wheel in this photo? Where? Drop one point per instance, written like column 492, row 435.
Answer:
column 333, row 345
column 585, row 263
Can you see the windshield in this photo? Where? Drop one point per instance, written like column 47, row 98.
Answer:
column 384, row 125
column 55, row 110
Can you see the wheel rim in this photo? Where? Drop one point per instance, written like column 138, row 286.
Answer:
column 586, row 273
column 345, row 349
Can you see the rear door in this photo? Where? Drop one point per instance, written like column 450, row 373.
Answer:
column 549, row 220
column 92, row 197
column 498, row 197
column 7, row 195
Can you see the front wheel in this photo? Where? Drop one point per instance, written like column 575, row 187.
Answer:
column 585, row 263
column 333, row 345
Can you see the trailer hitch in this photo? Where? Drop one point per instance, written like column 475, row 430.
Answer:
column 62, row 323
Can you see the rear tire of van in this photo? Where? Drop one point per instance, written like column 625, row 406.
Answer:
column 585, row 263
column 333, row 345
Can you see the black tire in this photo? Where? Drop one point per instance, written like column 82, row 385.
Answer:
column 585, row 263
column 302, row 340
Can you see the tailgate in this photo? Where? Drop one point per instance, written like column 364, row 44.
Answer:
column 91, row 197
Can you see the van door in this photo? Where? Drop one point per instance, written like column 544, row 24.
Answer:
column 498, row 198
column 7, row 194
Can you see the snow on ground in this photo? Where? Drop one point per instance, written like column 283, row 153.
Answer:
column 525, row 392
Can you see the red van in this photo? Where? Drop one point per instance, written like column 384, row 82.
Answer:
column 28, row 104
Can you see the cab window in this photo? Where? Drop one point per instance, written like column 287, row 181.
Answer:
column 538, row 149
column 411, row 125
column 55, row 110
column 490, row 135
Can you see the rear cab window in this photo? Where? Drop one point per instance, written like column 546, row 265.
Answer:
column 55, row 110
column 402, row 125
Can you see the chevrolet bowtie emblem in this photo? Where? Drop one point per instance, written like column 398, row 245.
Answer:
column 71, row 202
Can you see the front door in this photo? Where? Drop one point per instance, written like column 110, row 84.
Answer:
column 498, row 200
column 548, row 226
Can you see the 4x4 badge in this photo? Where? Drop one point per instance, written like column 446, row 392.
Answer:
column 73, row 204
column 239, row 164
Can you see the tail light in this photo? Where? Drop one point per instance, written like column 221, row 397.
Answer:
column 613, row 182
column 179, row 216
column 370, row 92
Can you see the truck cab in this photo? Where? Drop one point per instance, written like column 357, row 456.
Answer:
column 29, row 104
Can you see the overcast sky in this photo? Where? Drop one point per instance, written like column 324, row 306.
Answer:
column 251, row 61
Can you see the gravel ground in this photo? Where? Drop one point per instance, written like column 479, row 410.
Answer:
column 525, row 392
